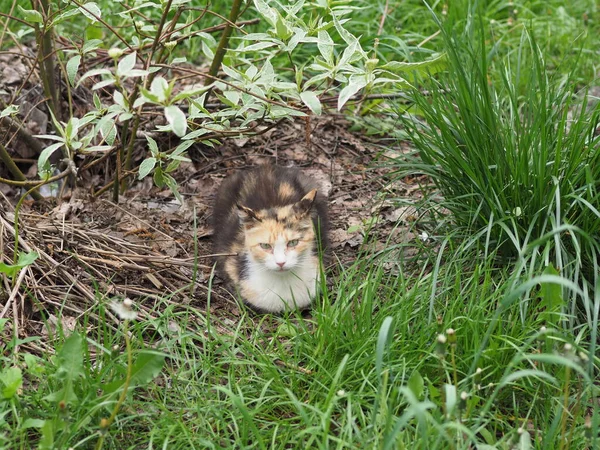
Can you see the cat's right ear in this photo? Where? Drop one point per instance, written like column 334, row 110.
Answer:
column 246, row 214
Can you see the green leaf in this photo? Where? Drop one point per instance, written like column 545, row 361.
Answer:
column 47, row 439
column 311, row 100
column 146, row 167
column 70, row 356
column 146, row 367
column 12, row 379
column 34, row 365
column 451, row 397
column 172, row 184
column 385, row 335
column 31, row 15
column 33, row 423
column 552, row 299
column 70, row 369
column 158, row 177
column 24, row 260
column 416, row 384
column 176, row 119
column 428, row 67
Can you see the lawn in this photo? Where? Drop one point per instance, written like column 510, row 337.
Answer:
column 458, row 142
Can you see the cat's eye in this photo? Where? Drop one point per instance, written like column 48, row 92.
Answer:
column 265, row 246
column 292, row 243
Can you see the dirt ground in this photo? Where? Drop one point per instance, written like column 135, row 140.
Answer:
column 147, row 247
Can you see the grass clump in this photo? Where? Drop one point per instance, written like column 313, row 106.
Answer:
column 514, row 153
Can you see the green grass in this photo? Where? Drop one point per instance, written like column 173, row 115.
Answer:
column 365, row 371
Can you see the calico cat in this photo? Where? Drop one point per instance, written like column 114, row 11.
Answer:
column 274, row 221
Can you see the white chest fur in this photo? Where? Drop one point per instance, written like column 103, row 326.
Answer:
column 276, row 291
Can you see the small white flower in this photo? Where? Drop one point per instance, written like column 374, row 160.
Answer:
column 424, row 236
column 341, row 393
column 123, row 310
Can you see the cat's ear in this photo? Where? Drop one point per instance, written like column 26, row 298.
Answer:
column 304, row 206
column 246, row 214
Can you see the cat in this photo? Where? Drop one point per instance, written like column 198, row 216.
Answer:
column 272, row 222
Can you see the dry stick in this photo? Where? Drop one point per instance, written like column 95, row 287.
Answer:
column 12, row 125
column 383, row 17
column 14, row 292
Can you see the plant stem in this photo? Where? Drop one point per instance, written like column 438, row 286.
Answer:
column 565, row 411
column 222, row 47
column 148, row 81
column 123, row 395
column 46, row 60
column 16, row 172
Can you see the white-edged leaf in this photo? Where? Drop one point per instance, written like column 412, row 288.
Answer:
column 146, row 167
column 126, row 64
column 93, row 73
column 119, row 99
column 46, row 153
column 159, row 88
column 102, row 84
column 31, row 15
column 176, row 119
column 266, row 11
column 310, row 99
column 9, row 110
column 152, row 145
column 91, row 11
column 325, row 46
column 136, row 73
column 72, row 68
column 91, row 45
column 356, row 84
column 51, row 137
column 256, row 47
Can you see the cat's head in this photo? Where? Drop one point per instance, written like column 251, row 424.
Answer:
column 279, row 238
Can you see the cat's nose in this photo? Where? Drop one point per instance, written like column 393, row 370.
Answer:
column 281, row 264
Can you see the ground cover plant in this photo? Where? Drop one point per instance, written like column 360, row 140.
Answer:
column 461, row 308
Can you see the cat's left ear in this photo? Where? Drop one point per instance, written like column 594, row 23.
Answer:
column 304, row 206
